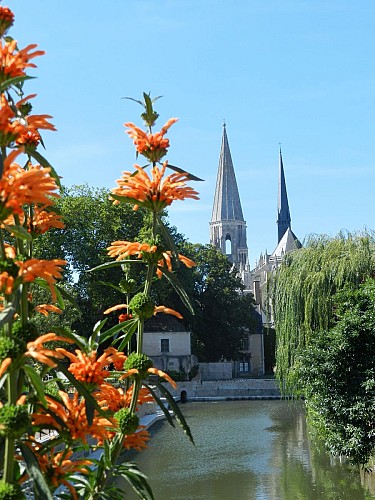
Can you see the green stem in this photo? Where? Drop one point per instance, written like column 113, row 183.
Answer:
column 10, row 441
column 141, row 329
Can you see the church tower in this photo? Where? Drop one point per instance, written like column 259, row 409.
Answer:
column 283, row 213
column 227, row 226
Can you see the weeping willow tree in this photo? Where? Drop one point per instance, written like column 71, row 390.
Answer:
column 302, row 293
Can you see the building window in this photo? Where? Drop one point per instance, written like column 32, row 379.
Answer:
column 164, row 345
column 244, row 367
column 245, row 343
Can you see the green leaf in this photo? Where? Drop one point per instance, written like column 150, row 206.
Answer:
column 45, row 163
column 36, row 382
column 160, row 404
column 174, row 281
column 64, row 332
column 66, row 295
column 137, row 480
column 19, row 232
column 14, row 81
column 41, row 489
column 126, row 199
column 179, row 170
column 126, row 338
column 114, row 264
column 176, row 410
column 7, row 314
column 120, row 326
column 167, row 237
column 110, row 285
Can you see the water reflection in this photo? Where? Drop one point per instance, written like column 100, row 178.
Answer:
column 244, row 450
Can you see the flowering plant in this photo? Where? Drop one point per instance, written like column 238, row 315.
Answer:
column 94, row 408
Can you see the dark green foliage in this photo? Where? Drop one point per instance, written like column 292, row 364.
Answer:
column 14, row 420
column 223, row 312
column 338, row 376
column 324, row 304
column 10, row 491
column 92, row 223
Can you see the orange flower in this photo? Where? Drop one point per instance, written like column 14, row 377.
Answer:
column 88, row 368
column 18, row 128
column 45, row 309
column 152, row 146
column 114, row 398
column 5, row 365
column 13, row 62
column 44, row 220
column 48, row 270
column 69, row 417
column 6, row 283
column 138, row 440
column 6, row 19
column 37, row 351
column 115, row 308
column 153, row 193
column 57, row 468
column 167, row 310
column 167, row 262
column 153, row 371
column 123, row 249
column 124, row 317
column 19, row 187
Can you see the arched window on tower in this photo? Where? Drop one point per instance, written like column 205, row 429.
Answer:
column 228, row 245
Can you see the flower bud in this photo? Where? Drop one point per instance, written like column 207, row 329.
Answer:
column 140, row 362
column 142, row 305
column 127, row 421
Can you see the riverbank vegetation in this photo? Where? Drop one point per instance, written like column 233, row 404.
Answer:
column 324, row 306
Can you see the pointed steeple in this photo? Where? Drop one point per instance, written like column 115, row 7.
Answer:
column 227, row 205
column 227, row 226
column 283, row 214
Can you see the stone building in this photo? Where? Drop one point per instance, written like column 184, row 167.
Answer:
column 167, row 342
column 228, row 234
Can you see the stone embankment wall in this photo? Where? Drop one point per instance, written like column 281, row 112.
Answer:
column 227, row 389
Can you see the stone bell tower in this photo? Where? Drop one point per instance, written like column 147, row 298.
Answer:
column 227, row 226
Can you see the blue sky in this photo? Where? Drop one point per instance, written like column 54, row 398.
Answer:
column 296, row 72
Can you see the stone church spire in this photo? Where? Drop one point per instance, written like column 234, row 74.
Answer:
column 283, row 214
column 227, row 226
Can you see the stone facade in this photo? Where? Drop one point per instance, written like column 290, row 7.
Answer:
column 235, row 388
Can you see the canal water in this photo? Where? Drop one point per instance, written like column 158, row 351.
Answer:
column 244, row 450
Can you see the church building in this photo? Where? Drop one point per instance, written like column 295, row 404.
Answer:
column 228, row 234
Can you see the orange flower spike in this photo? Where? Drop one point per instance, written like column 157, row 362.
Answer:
column 49, row 270
column 6, row 283
column 153, row 192
column 43, row 221
column 86, row 368
column 6, row 19
column 5, row 365
column 37, row 351
column 45, row 309
column 164, row 375
column 167, row 310
column 13, row 62
column 137, row 440
column 115, row 308
column 123, row 249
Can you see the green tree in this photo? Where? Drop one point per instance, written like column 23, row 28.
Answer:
column 325, row 341
column 223, row 312
column 338, row 374
column 92, row 223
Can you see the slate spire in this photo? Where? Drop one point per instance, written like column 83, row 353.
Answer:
column 283, row 213
column 227, row 226
column 227, row 205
